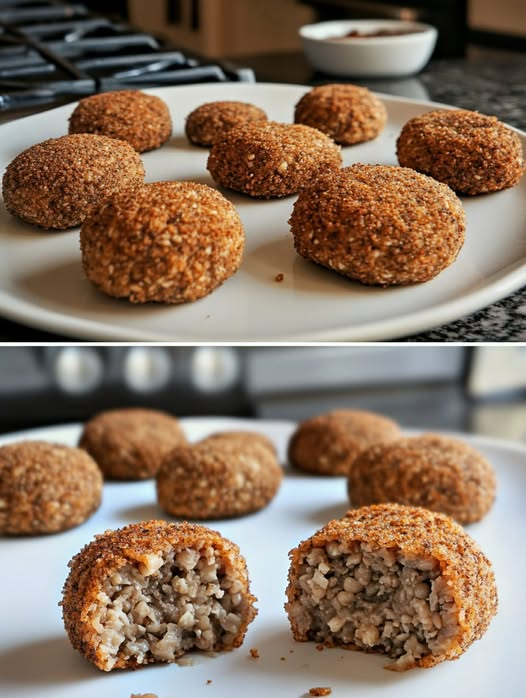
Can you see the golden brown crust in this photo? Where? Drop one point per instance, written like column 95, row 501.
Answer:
column 328, row 444
column 224, row 475
column 130, row 443
column 140, row 119
column 46, row 488
column 379, row 224
column 271, row 160
column 419, row 534
column 349, row 114
column 57, row 183
column 437, row 472
column 134, row 545
column 209, row 122
column 166, row 242
column 471, row 152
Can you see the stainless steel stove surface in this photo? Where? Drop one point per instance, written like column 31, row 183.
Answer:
column 53, row 51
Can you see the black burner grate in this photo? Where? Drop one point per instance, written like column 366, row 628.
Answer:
column 51, row 51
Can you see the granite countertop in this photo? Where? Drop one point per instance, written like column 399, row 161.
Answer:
column 489, row 81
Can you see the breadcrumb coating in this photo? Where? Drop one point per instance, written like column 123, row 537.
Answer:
column 57, row 183
column 379, row 224
column 130, row 443
column 46, row 487
column 140, row 119
column 166, row 242
column 471, row 152
column 438, row 472
column 328, row 444
column 349, row 114
column 209, row 122
column 270, row 159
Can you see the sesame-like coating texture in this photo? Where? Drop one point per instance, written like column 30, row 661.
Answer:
column 168, row 242
column 471, row 152
column 433, row 471
column 379, row 224
column 349, row 114
column 271, row 160
column 328, row 444
column 46, row 488
column 134, row 546
column 57, row 183
column 419, row 534
column 140, row 119
column 130, row 443
column 224, row 475
column 209, row 122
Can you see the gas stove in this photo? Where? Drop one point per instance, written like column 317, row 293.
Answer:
column 52, row 52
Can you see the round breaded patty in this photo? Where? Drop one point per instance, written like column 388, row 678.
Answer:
column 379, row 224
column 271, row 160
column 349, row 114
column 140, row 119
column 46, row 488
column 152, row 591
column 130, row 443
column 473, row 153
column 400, row 581
column 209, row 122
column 328, row 444
column 224, row 475
column 169, row 242
column 437, row 472
column 57, row 183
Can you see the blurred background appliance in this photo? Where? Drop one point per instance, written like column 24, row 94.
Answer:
column 52, row 52
column 479, row 389
column 233, row 28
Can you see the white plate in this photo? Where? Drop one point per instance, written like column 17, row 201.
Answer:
column 42, row 283
column 36, row 659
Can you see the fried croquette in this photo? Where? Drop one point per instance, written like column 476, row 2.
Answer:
column 349, row 114
column 57, row 183
column 271, row 160
column 400, row 581
column 46, row 487
column 209, row 122
column 328, row 444
column 224, row 475
column 379, row 224
column 167, row 242
column 130, row 443
column 152, row 591
column 473, row 153
column 433, row 471
column 140, row 119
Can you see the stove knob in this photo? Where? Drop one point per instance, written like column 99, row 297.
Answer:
column 214, row 369
column 78, row 370
column 146, row 369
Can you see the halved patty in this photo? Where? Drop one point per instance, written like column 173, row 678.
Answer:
column 151, row 591
column 400, row 581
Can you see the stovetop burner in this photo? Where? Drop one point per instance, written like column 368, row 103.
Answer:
column 51, row 51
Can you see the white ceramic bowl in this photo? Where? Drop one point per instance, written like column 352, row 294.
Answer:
column 395, row 55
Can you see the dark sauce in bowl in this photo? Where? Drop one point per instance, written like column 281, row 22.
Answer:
column 356, row 34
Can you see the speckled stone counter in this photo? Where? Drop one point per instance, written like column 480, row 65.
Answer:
column 493, row 82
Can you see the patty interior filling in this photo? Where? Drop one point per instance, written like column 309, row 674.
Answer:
column 168, row 605
column 375, row 599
